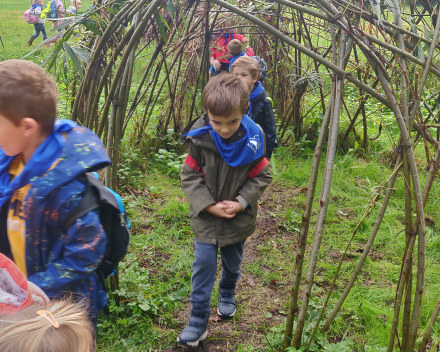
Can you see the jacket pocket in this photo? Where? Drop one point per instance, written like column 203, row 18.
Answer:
column 204, row 215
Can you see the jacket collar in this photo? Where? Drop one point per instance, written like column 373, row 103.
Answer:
column 260, row 96
column 83, row 152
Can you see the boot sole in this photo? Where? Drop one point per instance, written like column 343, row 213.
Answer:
column 224, row 315
column 195, row 343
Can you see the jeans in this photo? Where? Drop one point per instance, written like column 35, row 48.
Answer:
column 39, row 27
column 204, row 270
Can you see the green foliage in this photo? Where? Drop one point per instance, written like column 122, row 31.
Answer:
column 375, row 348
column 136, row 286
column 312, row 79
column 129, row 171
column 292, row 220
column 171, row 163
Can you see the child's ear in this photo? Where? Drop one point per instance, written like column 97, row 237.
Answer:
column 30, row 126
column 255, row 79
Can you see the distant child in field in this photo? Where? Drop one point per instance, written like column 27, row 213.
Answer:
column 219, row 52
column 37, row 7
column 235, row 48
column 75, row 6
column 223, row 177
column 260, row 105
column 29, row 322
column 55, row 10
column 43, row 162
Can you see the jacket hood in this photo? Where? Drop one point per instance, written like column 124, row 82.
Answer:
column 82, row 152
column 204, row 140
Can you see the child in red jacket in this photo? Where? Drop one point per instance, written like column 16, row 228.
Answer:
column 219, row 52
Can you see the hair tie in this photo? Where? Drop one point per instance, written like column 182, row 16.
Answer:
column 49, row 317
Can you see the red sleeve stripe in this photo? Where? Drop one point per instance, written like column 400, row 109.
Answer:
column 257, row 169
column 193, row 164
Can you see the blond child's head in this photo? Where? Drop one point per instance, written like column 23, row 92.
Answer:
column 225, row 99
column 235, row 47
column 75, row 3
column 60, row 326
column 247, row 69
column 28, row 105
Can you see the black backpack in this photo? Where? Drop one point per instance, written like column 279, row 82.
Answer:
column 113, row 219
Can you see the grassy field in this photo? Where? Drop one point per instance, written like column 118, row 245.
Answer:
column 15, row 32
column 155, row 276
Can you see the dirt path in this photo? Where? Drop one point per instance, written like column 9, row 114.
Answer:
column 260, row 304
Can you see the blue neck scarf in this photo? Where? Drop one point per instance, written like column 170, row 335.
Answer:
column 34, row 6
column 233, row 58
column 226, row 35
column 42, row 159
column 255, row 93
column 242, row 152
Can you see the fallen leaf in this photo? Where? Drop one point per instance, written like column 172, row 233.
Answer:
column 251, row 282
column 215, row 318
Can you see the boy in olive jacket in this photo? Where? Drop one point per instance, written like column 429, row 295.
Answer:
column 224, row 175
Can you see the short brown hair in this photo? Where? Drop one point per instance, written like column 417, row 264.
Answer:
column 224, row 94
column 235, row 47
column 26, row 91
column 248, row 63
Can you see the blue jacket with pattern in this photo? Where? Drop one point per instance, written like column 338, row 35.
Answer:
column 61, row 261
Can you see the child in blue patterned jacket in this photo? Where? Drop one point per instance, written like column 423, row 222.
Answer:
column 43, row 162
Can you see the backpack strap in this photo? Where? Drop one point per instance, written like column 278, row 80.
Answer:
column 257, row 168
column 89, row 203
column 193, row 164
column 256, row 109
column 270, row 99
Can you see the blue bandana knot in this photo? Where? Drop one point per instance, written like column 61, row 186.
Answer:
column 242, row 152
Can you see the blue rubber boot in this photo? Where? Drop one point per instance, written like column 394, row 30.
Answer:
column 195, row 332
column 226, row 306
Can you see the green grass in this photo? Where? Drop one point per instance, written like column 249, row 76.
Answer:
column 371, row 299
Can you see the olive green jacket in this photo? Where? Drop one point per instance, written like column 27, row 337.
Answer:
column 208, row 179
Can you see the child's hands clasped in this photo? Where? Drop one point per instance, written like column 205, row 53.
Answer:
column 224, row 209
column 233, row 207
